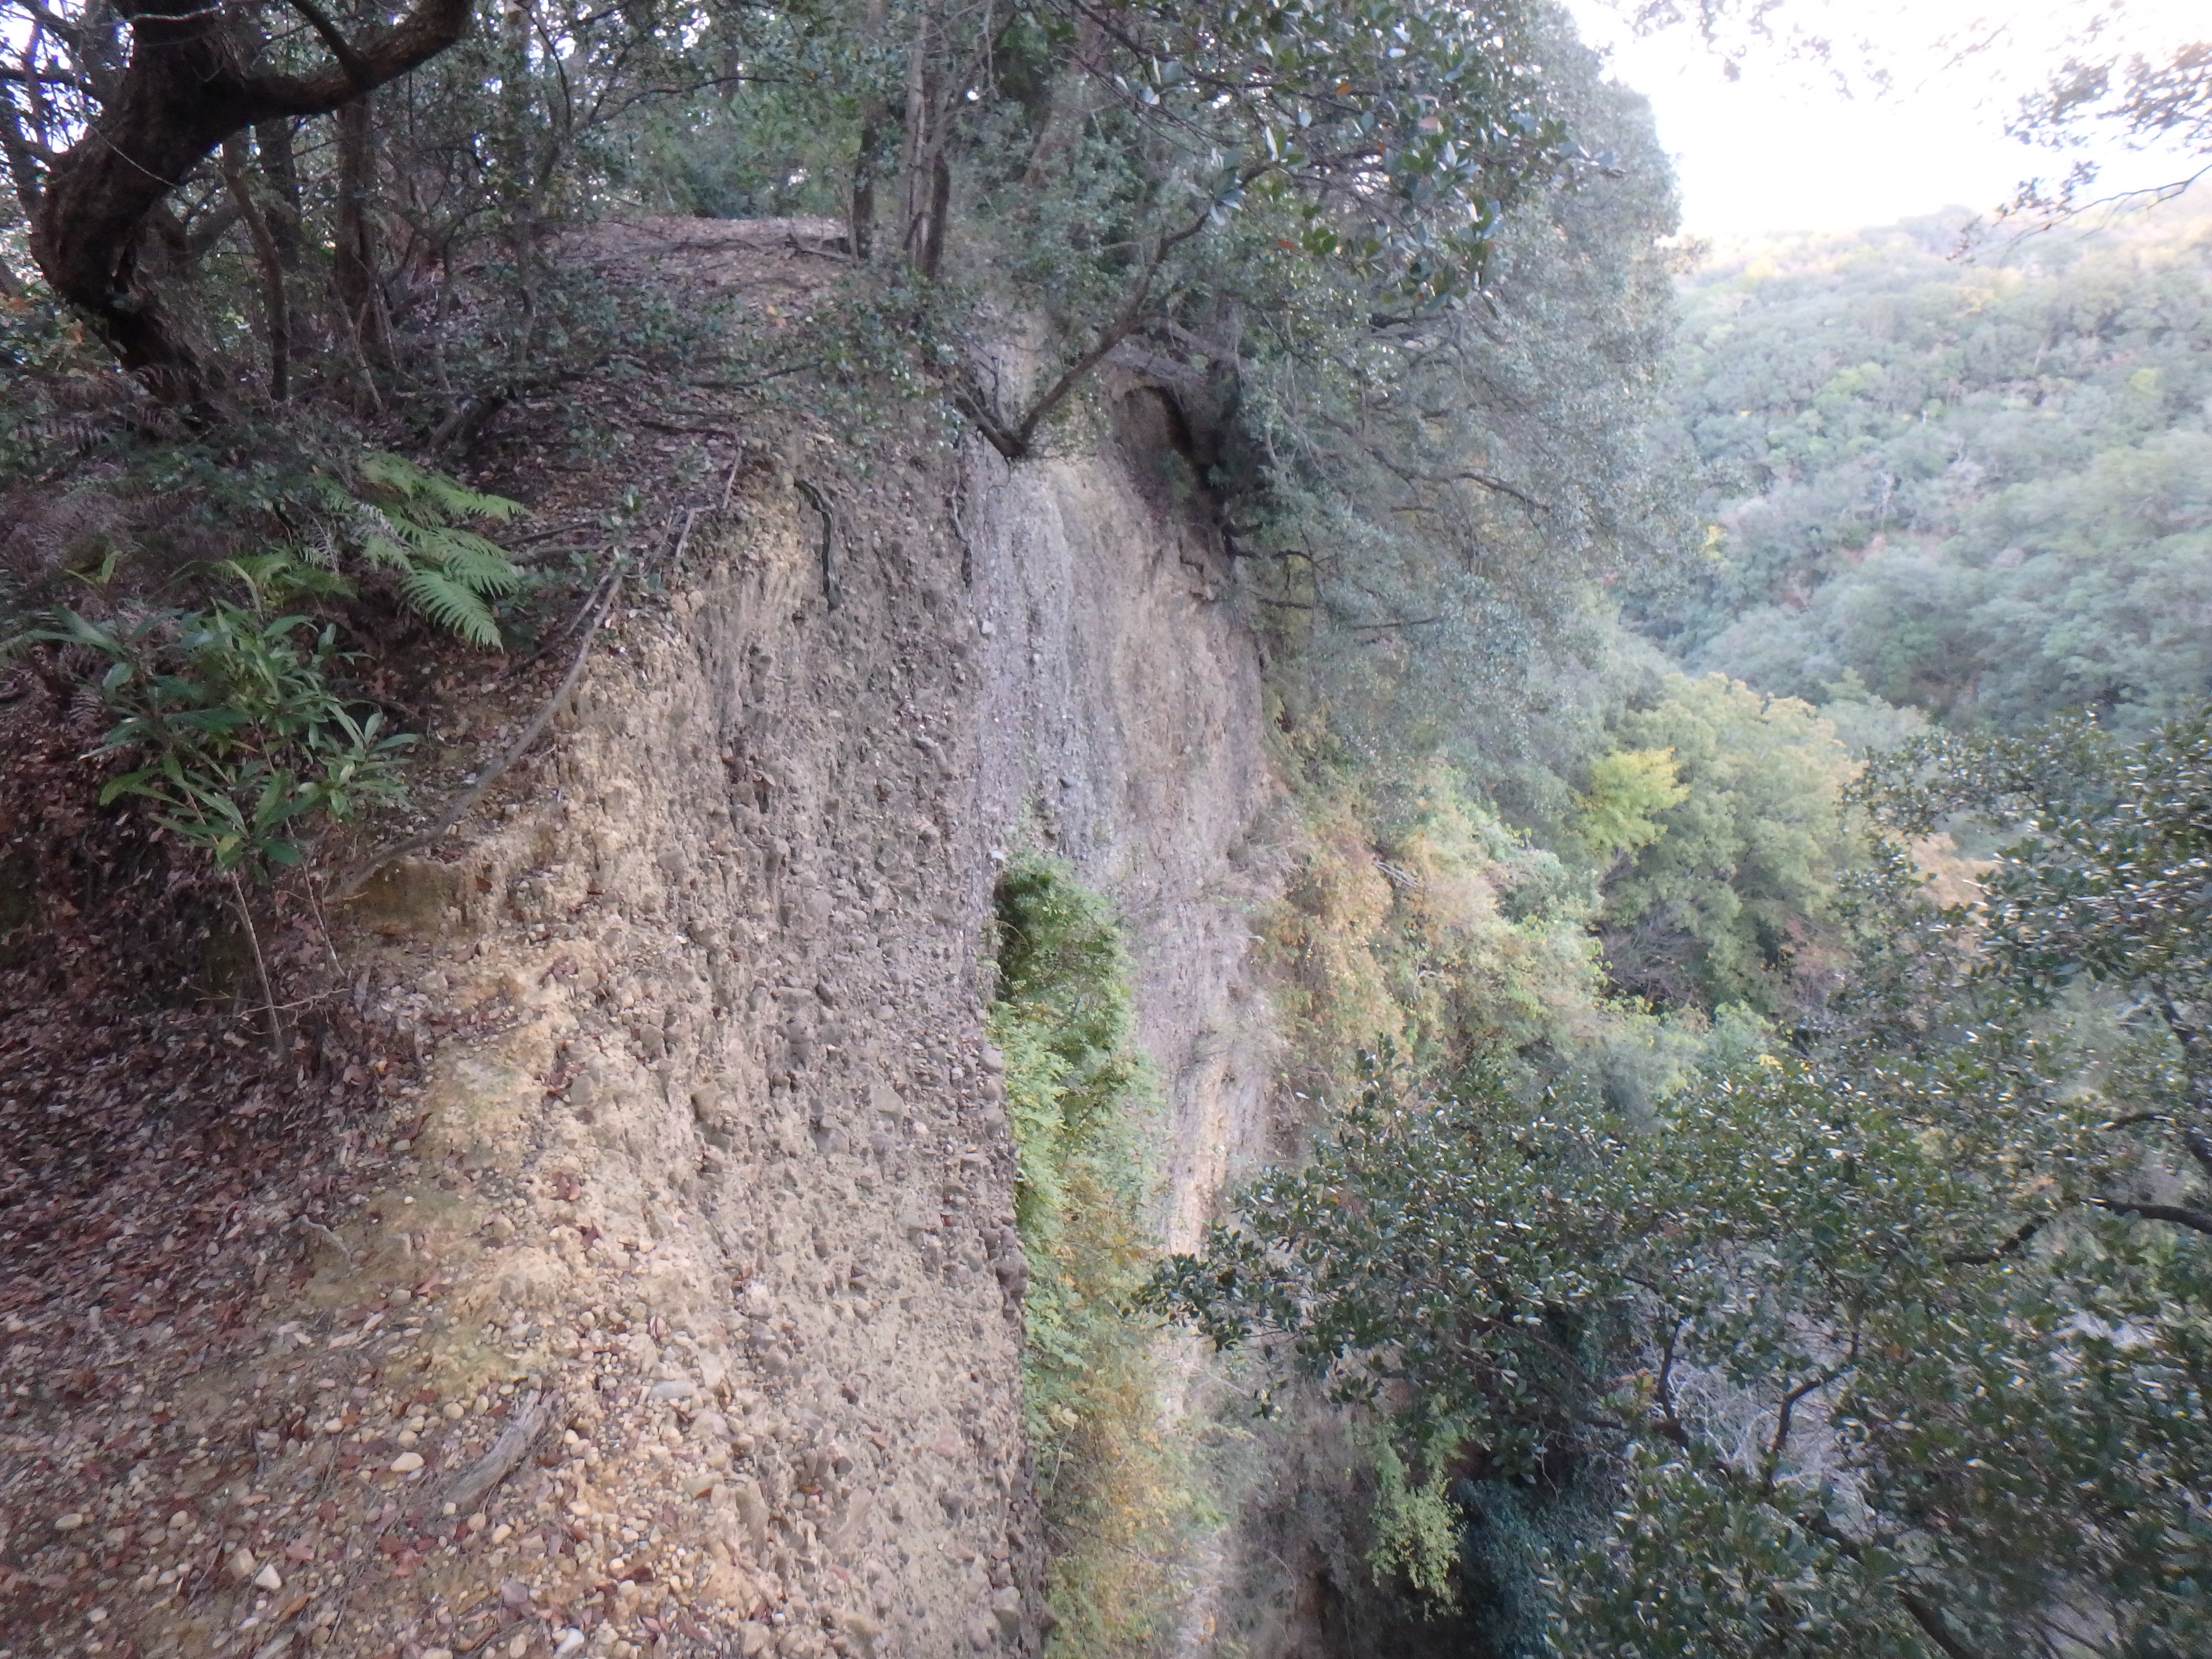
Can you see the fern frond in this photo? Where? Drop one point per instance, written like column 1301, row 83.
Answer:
column 415, row 534
column 453, row 606
column 392, row 472
column 458, row 501
column 379, row 547
column 446, row 572
column 420, row 486
column 322, row 546
column 472, row 561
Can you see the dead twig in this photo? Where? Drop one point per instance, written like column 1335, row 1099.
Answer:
column 546, row 645
column 529, row 1421
column 459, row 806
column 683, row 431
column 675, row 559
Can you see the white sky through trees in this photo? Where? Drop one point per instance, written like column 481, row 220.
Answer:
column 1783, row 147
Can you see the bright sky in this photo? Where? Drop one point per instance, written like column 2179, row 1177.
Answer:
column 1784, row 149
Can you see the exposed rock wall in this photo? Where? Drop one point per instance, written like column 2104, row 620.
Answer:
column 708, row 1153
column 1122, row 727
column 740, row 1116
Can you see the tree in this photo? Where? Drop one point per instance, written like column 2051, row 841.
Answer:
column 195, row 76
column 1626, row 787
column 1893, row 1347
column 1426, row 507
column 1976, row 486
column 1144, row 168
column 1730, row 901
column 2109, row 883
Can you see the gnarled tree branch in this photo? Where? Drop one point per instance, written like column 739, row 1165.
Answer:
column 189, row 85
column 2175, row 1215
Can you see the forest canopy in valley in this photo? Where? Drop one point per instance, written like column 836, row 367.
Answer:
column 1983, row 486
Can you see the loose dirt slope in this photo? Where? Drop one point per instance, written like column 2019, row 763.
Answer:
column 644, row 1279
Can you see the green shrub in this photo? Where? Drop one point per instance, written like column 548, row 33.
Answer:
column 1116, row 1498
column 243, row 738
column 1417, row 1527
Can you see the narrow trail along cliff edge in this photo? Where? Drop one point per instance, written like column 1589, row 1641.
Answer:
column 668, row 1299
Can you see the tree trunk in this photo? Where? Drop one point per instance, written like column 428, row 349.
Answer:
column 354, row 265
column 188, row 88
column 926, row 182
column 931, row 253
column 861, row 232
column 280, row 167
column 276, row 302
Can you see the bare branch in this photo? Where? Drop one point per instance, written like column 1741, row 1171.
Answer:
column 2014, row 1241
column 2175, row 1214
column 2200, row 1148
column 1771, row 1465
column 1931, row 1623
column 341, row 48
column 1014, row 442
column 1670, row 1423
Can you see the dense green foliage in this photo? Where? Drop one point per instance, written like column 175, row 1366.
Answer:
column 1075, row 1087
column 1123, row 176
column 1432, row 511
column 1820, row 1269
column 245, row 725
column 240, row 735
column 1727, row 901
column 1893, row 1347
column 413, row 521
column 1078, row 1094
column 2107, row 880
column 1981, row 488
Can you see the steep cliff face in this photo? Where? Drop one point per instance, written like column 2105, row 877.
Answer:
column 707, row 1168
column 1121, row 726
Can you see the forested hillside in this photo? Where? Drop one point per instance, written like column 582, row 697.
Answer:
column 1811, row 1266
column 1979, row 485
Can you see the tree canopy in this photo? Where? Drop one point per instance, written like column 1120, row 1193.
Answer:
column 1979, row 487
column 1892, row 1343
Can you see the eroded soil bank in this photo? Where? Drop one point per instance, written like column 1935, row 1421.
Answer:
column 687, row 1142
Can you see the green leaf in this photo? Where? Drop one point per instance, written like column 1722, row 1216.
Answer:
column 453, row 604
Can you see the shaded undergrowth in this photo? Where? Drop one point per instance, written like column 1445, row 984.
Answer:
column 1118, row 1501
